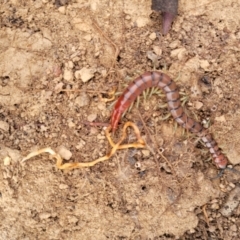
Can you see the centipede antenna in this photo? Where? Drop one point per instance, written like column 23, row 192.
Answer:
column 138, row 101
column 112, row 104
column 163, row 105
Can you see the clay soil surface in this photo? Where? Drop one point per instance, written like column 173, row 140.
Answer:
column 59, row 60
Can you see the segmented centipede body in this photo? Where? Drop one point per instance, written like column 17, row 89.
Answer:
column 162, row 81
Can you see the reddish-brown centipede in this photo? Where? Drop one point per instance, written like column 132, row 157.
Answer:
column 161, row 80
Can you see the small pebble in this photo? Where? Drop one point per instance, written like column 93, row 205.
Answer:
column 68, row 75
column 82, row 100
column 101, row 106
column 180, row 53
column 153, row 36
column 38, row 4
column 198, row 104
column 233, row 228
column 81, row 144
column 232, row 185
column 77, row 74
column 152, row 56
column 93, row 131
column 62, row 10
column 64, row 152
column 220, row 119
column 215, row 206
column 71, row 64
column 45, row 215
column 100, row 137
column 204, row 64
column 4, row 126
column 146, row 153
column 91, row 117
column 58, row 88
column 70, row 122
column 72, row 219
column 174, row 44
column 85, row 74
column 212, row 229
column 7, row 161
column 88, row 37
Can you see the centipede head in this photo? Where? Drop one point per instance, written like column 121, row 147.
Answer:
column 116, row 115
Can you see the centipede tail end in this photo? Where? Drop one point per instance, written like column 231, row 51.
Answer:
column 169, row 9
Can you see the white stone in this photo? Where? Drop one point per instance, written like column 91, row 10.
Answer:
column 64, row 152
column 70, row 64
column 88, row 37
column 146, row 152
column 198, row 104
column 77, row 74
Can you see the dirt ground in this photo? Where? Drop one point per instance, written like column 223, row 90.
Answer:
column 59, row 59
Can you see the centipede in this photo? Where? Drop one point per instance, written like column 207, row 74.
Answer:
column 170, row 88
